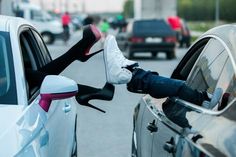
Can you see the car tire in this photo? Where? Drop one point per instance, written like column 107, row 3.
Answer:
column 170, row 54
column 48, row 37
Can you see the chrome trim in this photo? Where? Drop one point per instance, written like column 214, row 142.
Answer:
column 162, row 117
column 200, row 109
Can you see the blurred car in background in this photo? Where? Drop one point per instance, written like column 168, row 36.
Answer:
column 151, row 36
column 49, row 27
column 77, row 21
column 173, row 127
column 32, row 123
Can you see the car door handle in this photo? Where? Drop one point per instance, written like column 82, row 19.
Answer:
column 169, row 146
column 152, row 127
column 67, row 108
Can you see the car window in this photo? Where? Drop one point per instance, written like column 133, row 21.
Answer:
column 228, row 83
column 36, row 15
column 151, row 28
column 44, row 51
column 32, row 59
column 7, row 76
column 207, row 74
column 183, row 69
column 39, row 15
column 209, row 66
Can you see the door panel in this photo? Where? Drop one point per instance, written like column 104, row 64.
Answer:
column 33, row 139
column 59, row 126
column 146, row 140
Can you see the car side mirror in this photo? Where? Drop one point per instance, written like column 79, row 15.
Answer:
column 56, row 87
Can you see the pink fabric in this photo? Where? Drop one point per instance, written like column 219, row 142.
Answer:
column 65, row 19
column 174, row 22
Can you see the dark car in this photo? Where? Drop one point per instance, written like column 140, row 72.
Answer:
column 173, row 127
column 152, row 36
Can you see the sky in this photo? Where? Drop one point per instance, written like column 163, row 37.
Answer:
column 89, row 6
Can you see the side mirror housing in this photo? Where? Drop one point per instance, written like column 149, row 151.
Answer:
column 56, row 87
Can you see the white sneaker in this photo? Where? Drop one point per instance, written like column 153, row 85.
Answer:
column 115, row 63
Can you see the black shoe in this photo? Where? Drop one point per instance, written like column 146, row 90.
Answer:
column 88, row 93
column 81, row 49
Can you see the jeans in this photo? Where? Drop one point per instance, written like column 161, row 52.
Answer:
column 159, row 87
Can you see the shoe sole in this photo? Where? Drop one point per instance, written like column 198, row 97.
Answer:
column 105, row 59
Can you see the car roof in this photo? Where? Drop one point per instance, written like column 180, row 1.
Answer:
column 7, row 21
column 227, row 33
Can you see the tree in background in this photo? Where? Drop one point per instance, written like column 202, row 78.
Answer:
column 204, row 10
column 128, row 11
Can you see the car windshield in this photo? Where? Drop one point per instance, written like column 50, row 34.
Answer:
column 7, row 80
column 152, row 28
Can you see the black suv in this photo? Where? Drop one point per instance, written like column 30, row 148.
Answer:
column 148, row 36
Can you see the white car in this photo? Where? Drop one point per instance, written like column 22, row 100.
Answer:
column 34, row 121
column 50, row 28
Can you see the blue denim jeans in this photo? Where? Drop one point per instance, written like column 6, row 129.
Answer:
column 159, row 87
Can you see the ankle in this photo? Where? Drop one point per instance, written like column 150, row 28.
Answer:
column 133, row 67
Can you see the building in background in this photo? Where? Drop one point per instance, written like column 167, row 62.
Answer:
column 146, row 9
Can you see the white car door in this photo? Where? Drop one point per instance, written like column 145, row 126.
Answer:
column 22, row 125
column 58, row 130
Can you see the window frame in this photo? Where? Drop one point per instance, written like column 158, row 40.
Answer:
column 200, row 109
column 37, row 58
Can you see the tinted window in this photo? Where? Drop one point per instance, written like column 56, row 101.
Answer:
column 7, row 78
column 228, row 83
column 152, row 28
column 33, row 60
column 42, row 47
column 40, row 15
column 36, row 15
column 209, row 66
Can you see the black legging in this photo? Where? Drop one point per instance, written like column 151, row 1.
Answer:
column 55, row 67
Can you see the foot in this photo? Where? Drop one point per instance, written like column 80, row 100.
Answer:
column 91, row 34
column 81, row 50
column 116, row 63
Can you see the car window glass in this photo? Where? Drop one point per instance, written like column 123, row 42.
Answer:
column 227, row 82
column 151, row 28
column 208, row 68
column 4, row 69
column 42, row 47
column 7, row 76
column 39, row 15
column 32, row 61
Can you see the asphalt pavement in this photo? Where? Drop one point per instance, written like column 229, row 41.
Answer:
column 109, row 134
